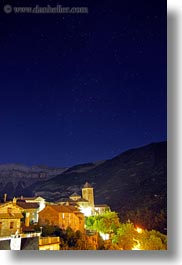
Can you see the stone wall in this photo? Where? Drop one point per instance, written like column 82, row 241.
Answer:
column 9, row 226
column 49, row 243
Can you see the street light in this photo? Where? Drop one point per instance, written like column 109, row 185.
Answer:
column 139, row 230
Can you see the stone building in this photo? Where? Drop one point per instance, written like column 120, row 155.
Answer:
column 101, row 208
column 40, row 200
column 62, row 216
column 88, row 194
column 85, row 203
column 10, row 218
column 30, row 210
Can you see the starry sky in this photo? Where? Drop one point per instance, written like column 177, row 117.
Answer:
column 76, row 88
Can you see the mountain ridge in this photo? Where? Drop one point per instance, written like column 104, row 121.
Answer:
column 135, row 180
column 150, row 157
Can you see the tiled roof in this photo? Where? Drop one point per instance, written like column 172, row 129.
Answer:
column 28, row 205
column 72, row 208
column 63, row 208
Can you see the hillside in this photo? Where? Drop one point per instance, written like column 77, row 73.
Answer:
column 15, row 178
column 134, row 184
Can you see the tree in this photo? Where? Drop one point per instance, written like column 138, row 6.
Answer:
column 153, row 240
column 146, row 217
column 125, row 236
column 128, row 238
column 90, row 222
column 107, row 222
column 49, row 230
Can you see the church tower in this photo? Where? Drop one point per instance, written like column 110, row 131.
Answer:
column 88, row 194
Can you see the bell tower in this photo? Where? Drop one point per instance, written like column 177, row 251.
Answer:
column 88, row 194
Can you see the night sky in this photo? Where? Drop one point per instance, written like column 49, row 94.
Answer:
column 77, row 88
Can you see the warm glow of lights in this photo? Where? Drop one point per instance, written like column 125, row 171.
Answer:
column 136, row 248
column 104, row 236
column 139, row 230
column 137, row 245
column 87, row 211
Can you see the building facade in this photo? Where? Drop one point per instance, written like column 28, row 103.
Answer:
column 10, row 218
column 86, row 202
column 62, row 216
column 30, row 211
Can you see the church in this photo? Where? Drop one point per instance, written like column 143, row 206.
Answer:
column 85, row 202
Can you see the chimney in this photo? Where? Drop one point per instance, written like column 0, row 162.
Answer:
column 14, row 201
column 5, row 197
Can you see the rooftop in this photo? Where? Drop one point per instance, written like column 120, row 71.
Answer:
column 27, row 205
column 81, row 200
column 63, row 208
column 11, row 215
column 87, row 185
column 102, row 205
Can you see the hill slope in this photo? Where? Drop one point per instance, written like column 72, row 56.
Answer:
column 133, row 184
column 134, row 180
column 15, row 178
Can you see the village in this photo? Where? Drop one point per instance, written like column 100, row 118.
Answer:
column 73, row 223
column 19, row 216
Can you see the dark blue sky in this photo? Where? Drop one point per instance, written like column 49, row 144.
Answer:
column 82, row 87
